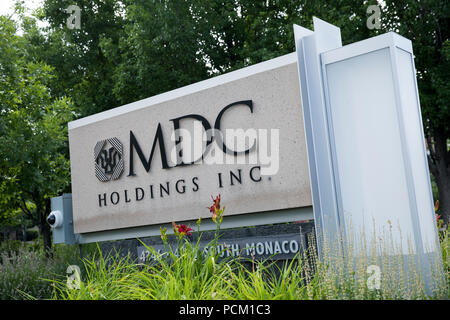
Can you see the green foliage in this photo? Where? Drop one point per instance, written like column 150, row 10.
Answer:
column 81, row 67
column 11, row 246
column 157, row 50
column 426, row 24
column 130, row 50
column 26, row 272
column 444, row 237
column 192, row 274
column 33, row 129
column 168, row 44
column 189, row 272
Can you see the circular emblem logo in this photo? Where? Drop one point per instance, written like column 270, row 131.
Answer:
column 108, row 156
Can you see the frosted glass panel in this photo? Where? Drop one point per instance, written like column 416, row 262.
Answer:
column 416, row 150
column 367, row 147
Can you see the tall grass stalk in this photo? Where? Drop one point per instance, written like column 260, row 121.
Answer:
column 192, row 273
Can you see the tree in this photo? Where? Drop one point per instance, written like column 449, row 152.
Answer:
column 168, row 44
column 427, row 24
column 129, row 50
column 157, row 51
column 82, row 71
column 33, row 134
column 227, row 35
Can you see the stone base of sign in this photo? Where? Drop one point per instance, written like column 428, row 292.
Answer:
column 274, row 242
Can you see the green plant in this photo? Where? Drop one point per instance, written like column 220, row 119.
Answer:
column 26, row 272
column 190, row 272
column 444, row 238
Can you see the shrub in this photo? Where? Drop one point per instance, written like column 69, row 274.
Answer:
column 26, row 272
column 32, row 235
column 10, row 246
column 22, row 271
column 189, row 273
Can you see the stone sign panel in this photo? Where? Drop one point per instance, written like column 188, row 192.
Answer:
column 160, row 159
column 273, row 242
column 275, row 247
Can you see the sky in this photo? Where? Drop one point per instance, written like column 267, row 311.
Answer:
column 7, row 7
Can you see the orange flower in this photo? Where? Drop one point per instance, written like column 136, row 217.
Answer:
column 217, row 202
column 181, row 230
column 215, row 209
column 216, row 205
column 163, row 233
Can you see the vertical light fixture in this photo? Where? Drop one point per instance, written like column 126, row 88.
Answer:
column 366, row 147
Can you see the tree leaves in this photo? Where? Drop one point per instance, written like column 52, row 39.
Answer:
column 33, row 139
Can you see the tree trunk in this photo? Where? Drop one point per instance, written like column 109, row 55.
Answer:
column 46, row 232
column 443, row 185
column 439, row 162
column 44, row 227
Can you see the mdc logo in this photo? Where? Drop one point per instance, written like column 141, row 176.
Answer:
column 108, row 155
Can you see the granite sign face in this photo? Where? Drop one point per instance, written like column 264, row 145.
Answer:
column 275, row 242
column 160, row 159
column 274, row 247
